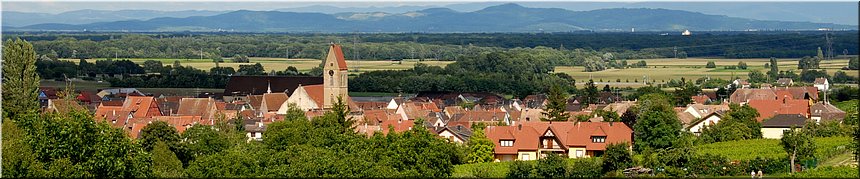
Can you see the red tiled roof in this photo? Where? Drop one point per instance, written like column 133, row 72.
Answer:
column 770, row 108
column 141, row 106
column 398, row 125
column 255, row 101
column 316, row 94
column 274, row 100
column 338, row 55
column 571, row 134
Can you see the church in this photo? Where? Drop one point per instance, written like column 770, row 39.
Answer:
column 323, row 96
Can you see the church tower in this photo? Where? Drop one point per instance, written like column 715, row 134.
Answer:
column 334, row 76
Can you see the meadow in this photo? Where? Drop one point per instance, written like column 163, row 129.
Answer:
column 304, row 65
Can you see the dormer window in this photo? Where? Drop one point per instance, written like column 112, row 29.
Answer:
column 506, row 143
column 598, row 139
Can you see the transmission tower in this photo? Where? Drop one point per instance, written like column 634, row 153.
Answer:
column 829, row 52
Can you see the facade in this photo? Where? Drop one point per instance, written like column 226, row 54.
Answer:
column 822, row 84
column 773, row 128
column 335, row 80
column 533, row 140
column 711, row 119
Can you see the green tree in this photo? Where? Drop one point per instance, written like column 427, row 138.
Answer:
column 480, row 147
column 590, row 92
column 203, row 140
column 158, row 131
column 19, row 160
column 853, row 64
column 165, row 163
column 255, row 69
column 551, row 166
column 617, row 157
column 20, row 80
column 756, row 76
column 799, row 144
column 520, row 169
column 556, row 105
column 657, row 126
column 774, row 69
column 742, row 65
column 711, row 64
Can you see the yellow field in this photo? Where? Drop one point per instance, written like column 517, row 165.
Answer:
column 280, row 64
column 691, row 69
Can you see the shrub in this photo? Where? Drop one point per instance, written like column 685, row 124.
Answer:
column 551, row 166
column 519, row 169
column 585, row 168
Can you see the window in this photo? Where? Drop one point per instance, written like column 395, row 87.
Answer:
column 580, row 153
column 507, row 143
column 598, row 139
column 526, row 157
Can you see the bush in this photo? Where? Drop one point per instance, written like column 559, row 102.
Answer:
column 617, row 157
column 829, row 172
column 585, row 168
column 519, row 169
column 551, row 166
column 711, row 64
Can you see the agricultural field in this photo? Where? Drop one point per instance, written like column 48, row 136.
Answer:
column 279, row 64
column 826, row 147
column 691, row 69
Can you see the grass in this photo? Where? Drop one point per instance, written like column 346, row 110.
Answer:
column 691, row 69
column 770, row 148
column 846, row 158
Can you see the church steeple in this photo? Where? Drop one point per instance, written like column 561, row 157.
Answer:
column 334, row 76
column 269, row 88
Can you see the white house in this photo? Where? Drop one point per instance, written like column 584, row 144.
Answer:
column 773, row 128
column 822, row 84
column 710, row 119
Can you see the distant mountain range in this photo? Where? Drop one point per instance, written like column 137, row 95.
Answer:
column 86, row 16
column 500, row 18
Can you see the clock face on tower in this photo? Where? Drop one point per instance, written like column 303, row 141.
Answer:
column 331, row 73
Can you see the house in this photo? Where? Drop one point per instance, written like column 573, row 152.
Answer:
column 458, row 134
column 697, row 115
column 783, row 82
column 824, row 112
column 742, row 96
column 46, row 93
column 204, row 107
column 770, row 108
column 766, row 86
column 88, row 97
column 739, row 84
column 773, row 128
column 63, row 106
column 535, row 101
column 822, row 84
column 255, row 131
column 533, row 140
column 272, row 102
column 141, row 106
column 120, row 92
column 701, row 99
column 489, row 117
column 377, row 116
column 713, row 118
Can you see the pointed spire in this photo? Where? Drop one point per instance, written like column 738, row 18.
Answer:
column 269, row 88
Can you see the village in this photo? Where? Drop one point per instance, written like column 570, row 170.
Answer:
column 515, row 126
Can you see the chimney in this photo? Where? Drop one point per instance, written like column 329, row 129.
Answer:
column 520, row 127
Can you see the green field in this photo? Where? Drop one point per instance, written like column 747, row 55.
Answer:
column 826, row 147
column 691, row 69
column 280, row 64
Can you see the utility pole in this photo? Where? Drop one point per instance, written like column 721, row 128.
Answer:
column 675, row 51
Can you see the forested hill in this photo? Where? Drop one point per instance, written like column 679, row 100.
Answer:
column 501, row 18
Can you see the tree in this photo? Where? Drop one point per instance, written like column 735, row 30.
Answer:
column 682, row 55
column 158, row 131
column 774, row 69
column 853, row 64
column 590, row 93
column 255, row 69
column 842, row 77
column 756, row 76
column 799, row 144
column 711, row 64
column 480, row 147
column 556, row 105
column 742, row 65
column 240, row 59
column 551, row 166
column 153, row 66
column 656, row 126
column 294, row 112
column 19, row 160
column 519, row 169
column 20, row 80
column 165, row 163
column 617, row 157
column 820, row 54
column 203, row 140
column 739, row 123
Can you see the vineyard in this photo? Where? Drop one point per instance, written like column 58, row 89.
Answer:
column 770, row 148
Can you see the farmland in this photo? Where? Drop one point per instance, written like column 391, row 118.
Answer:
column 769, row 148
column 691, row 69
